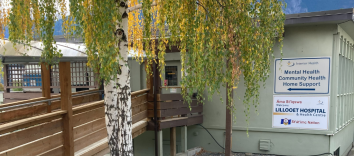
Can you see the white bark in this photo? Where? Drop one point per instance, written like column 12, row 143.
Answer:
column 118, row 98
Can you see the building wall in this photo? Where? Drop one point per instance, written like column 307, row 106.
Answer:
column 281, row 143
column 299, row 41
column 343, row 140
column 342, row 106
column 144, row 144
column 138, row 72
column 135, row 77
column 1, row 97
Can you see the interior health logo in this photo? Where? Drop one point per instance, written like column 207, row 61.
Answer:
column 290, row 64
column 320, row 102
column 285, row 121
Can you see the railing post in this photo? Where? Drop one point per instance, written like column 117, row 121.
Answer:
column 66, row 104
column 6, row 85
column 160, row 143
column 45, row 73
column 173, row 141
column 184, row 138
column 153, row 83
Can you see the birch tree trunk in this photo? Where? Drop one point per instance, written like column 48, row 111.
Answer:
column 118, row 96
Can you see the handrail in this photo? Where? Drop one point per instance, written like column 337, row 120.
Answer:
column 170, row 87
column 40, row 98
column 22, row 102
column 15, row 105
column 6, row 107
column 89, row 105
column 139, row 92
column 31, row 119
column 85, row 91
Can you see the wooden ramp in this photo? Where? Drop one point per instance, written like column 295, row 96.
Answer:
column 30, row 130
column 138, row 128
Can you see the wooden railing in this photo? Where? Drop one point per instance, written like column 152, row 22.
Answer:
column 32, row 136
column 139, row 111
column 41, row 108
column 43, row 134
column 173, row 111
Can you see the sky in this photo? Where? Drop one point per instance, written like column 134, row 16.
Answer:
column 301, row 6
column 293, row 7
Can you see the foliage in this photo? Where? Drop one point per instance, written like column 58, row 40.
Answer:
column 4, row 12
column 31, row 18
column 17, row 89
column 219, row 40
column 17, row 84
column 97, row 26
column 1, row 87
column 47, row 13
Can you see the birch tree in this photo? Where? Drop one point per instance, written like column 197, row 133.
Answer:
column 207, row 33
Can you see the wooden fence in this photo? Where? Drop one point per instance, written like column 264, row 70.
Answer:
column 173, row 111
column 34, row 75
column 41, row 108
column 35, row 133
column 29, row 75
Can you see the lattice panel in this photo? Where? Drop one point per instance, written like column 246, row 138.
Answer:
column 29, row 76
column 81, row 76
column 23, row 75
column 54, row 76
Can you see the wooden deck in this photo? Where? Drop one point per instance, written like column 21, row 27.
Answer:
column 74, row 123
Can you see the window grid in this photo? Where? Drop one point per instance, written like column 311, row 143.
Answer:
column 339, row 85
column 23, row 75
column 29, row 76
column 345, row 103
column 171, row 75
column 351, row 48
column 350, row 85
column 345, row 87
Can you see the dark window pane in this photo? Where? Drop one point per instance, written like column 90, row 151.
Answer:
column 171, row 75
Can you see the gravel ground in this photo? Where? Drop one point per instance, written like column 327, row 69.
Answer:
column 223, row 154
column 206, row 153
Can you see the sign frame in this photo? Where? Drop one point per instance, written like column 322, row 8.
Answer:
column 297, row 128
column 301, row 58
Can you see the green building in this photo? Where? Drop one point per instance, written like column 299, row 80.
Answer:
column 306, row 108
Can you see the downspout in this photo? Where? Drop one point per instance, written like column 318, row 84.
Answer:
column 329, row 143
column 155, row 106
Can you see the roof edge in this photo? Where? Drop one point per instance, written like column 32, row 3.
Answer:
column 321, row 13
column 31, row 59
column 322, row 17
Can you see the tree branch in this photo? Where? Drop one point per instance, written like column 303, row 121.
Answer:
column 220, row 3
column 205, row 10
column 139, row 6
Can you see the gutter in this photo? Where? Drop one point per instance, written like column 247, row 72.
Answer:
column 323, row 17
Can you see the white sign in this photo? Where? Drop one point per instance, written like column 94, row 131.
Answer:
column 173, row 90
column 301, row 112
column 302, row 75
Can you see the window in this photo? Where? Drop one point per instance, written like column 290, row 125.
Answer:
column 171, row 75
